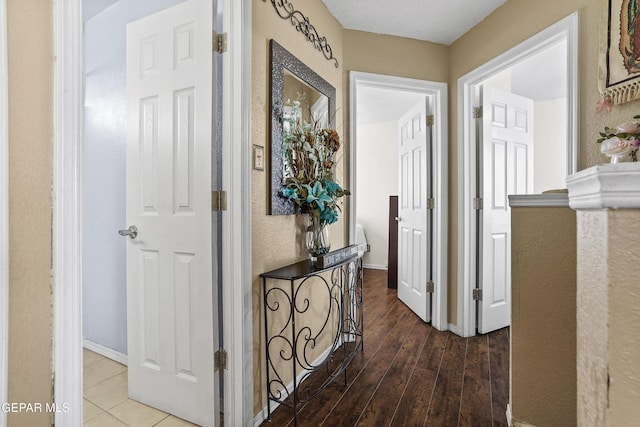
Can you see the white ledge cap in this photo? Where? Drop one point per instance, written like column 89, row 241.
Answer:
column 610, row 186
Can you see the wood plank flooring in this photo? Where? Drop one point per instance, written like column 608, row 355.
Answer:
column 411, row 374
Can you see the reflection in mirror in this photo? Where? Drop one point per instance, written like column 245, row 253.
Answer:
column 298, row 94
column 302, row 103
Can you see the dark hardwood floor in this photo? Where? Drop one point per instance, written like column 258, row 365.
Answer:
column 411, row 374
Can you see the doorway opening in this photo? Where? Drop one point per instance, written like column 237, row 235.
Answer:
column 554, row 49
column 377, row 102
column 68, row 202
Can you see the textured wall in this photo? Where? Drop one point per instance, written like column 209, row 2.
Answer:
column 30, row 48
column 624, row 317
column 543, row 325
column 278, row 240
column 592, row 313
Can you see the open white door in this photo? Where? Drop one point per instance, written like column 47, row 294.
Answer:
column 171, row 262
column 507, row 153
column 414, row 233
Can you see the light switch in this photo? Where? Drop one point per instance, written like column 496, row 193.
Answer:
column 258, row 157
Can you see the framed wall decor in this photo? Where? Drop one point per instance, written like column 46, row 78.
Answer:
column 619, row 67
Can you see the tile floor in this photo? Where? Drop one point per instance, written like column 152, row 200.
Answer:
column 105, row 398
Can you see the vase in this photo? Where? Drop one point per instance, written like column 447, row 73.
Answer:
column 317, row 237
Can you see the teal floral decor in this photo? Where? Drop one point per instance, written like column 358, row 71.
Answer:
column 309, row 182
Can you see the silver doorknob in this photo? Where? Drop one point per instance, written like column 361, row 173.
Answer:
column 398, row 219
column 132, row 232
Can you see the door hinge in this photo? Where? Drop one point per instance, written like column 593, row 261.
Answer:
column 430, row 286
column 477, row 112
column 218, row 201
column 477, row 294
column 430, row 119
column 220, row 42
column 220, row 360
column 431, row 203
column 477, row 203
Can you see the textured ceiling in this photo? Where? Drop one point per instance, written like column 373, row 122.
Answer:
column 438, row 21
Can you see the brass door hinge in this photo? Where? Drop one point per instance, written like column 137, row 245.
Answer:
column 477, row 294
column 218, row 201
column 220, row 42
column 430, row 119
column 220, row 360
column 477, row 112
column 430, row 286
column 431, row 203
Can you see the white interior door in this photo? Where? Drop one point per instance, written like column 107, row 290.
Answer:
column 171, row 295
column 414, row 234
column 507, row 153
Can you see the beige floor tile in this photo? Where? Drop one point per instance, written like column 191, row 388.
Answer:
column 89, row 357
column 101, row 370
column 172, row 421
column 109, row 393
column 89, row 411
column 136, row 414
column 105, row 420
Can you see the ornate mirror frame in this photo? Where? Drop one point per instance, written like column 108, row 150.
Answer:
column 282, row 60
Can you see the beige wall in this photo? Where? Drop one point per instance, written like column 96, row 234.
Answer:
column 30, row 29
column 543, row 321
column 278, row 240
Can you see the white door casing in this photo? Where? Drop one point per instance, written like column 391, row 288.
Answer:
column 565, row 29
column 170, row 264
column 437, row 93
column 414, row 233
column 507, row 162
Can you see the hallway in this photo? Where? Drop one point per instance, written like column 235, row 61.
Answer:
column 411, row 374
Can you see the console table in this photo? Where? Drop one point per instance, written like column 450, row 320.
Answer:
column 319, row 308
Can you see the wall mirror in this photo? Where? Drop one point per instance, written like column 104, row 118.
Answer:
column 297, row 92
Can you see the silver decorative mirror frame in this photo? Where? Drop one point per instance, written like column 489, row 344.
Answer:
column 282, row 60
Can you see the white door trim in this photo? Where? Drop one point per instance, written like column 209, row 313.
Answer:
column 67, row 209
column 4, row 213
column 440, row 175
column 566, row 28
column 236, row 221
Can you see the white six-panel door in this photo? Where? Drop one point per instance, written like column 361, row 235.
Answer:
column 414, row 240
column 170, row 263
column 507, row 130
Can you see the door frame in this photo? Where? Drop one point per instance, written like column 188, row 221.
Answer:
column 440, row 175
column 566, row 28
column 67, row 212
column 4, row 213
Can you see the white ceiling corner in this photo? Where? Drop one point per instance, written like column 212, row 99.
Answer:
column 437, row 21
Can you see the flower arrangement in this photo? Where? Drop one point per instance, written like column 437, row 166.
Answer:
column 620, row 141
column 310, row 156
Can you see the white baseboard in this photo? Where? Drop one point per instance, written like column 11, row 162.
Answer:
column 454, row 328
column 106, row 352
column 375, row 266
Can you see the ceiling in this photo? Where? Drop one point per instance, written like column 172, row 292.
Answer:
column 437, row 21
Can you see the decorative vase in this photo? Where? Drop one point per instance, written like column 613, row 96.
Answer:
column 317, row 237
